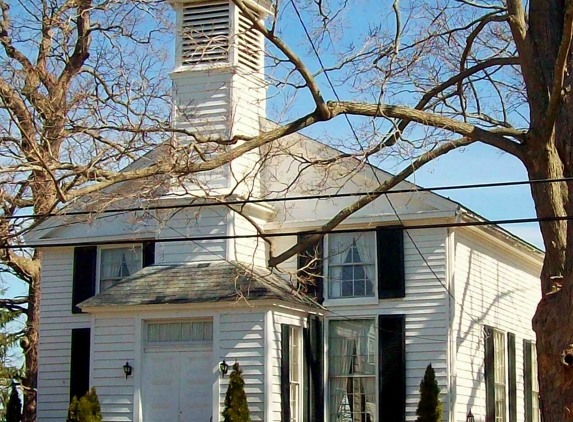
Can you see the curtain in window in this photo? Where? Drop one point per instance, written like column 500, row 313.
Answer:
column 352, row 376
column 340, row 360
column 344, row 250
column 111, row 263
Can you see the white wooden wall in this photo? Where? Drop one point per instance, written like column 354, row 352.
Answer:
column 425, row 307
column 192, row 222
column 242, row 339
column 56, row 324
column 274, row 344
column 248, row 250
column 113, row 346
column 496, row 287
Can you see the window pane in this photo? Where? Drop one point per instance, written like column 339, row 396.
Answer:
column 352, row 371
column 351, row 264
column 186, row 331
column 207, row 331
column 178, row 332
column 175, row 331
column 118, row 263
column 152, row 333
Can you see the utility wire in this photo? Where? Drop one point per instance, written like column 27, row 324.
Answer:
column 326, row 310
column 295, row 233
column 377, row 178
column 288, row 199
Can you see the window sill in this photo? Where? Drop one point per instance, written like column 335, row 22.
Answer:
column 351, row 301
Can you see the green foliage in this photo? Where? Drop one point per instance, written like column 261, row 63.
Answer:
column 86, row 409
column 236, row 408
column 430, row 406
column 10, row 335
column 14, row 406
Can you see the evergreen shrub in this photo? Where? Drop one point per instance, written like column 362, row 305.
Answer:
column 430, row 406
column 236, row 407
column 86, row 409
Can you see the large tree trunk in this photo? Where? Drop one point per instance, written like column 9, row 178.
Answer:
column 553, row 324
column 30, row 349
column 553, row 321
column 45, row 193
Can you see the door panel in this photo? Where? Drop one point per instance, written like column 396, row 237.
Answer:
column 196, row 389
column 160, row 387
column 178, row 385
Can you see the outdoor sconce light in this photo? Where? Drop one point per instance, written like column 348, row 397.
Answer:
column 127, row 369
column 470, row 417
column 223, row 368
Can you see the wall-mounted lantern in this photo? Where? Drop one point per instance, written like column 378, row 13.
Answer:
column 470, row 417
column 127, row 369
column 223, row 368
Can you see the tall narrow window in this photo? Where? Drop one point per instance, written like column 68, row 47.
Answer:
column 352, row 376
column 118, row 263
column 495, row 372
column 295, row 374
column 499, row 375
column 536, row 411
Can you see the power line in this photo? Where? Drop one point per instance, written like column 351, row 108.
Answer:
column 294, row 233
column 376, row 175
column 326, row 310
column 292, row 198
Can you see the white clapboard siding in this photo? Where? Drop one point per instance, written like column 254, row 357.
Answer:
column 425, row 306
column 203, row 108
column 114, row 344
column 208, row 221
column 278, row 318
column 242, row 339
column 56, row 324
column 248, row 250
column 496, row 287
column 426, row 310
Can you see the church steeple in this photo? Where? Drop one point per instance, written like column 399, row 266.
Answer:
column 219, row 87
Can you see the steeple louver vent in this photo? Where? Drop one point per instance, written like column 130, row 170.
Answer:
column 250, row 52
column 206, row 31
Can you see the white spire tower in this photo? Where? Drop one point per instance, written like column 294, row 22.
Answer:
column 219, row 86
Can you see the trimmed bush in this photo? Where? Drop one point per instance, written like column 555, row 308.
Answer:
column 14, row 406
column 86, row 409
column 430, row 406
column 236, row 408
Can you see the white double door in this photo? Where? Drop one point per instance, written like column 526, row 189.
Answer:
column 178, row 385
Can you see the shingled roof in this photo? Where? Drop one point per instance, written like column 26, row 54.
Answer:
column 198, row 283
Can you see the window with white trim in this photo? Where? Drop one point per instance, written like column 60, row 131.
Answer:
column 117, row 263
column 351, row 265
column 499, row 375
column 351, row 372
column 535, row 409
column 179, row 332
column 295, row 373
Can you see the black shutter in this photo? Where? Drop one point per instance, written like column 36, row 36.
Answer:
column 285, row 373
column 511, row 378
column 313, row 352
column 310, row 268
column 391, row 283
column 527, row 380
column 80, row 362
column 84, row 281
column 148, row 253
column 392, row 368
column 489, row 374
